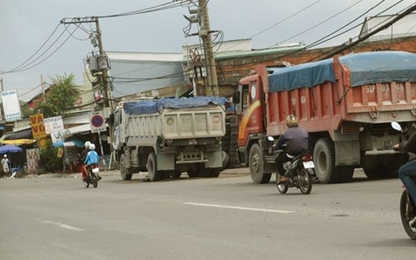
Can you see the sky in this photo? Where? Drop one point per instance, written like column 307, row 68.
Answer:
column 30, row 51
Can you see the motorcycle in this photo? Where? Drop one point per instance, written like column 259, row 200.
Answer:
column 92, row 176
column 299, row 173
column 407, row 206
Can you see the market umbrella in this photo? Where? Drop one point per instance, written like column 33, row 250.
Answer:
column 77, row 143
column 8, row 148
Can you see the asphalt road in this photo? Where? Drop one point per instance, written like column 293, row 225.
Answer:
column 56, row 217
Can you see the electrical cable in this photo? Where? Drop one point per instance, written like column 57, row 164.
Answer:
column 328, row 36
column 36, row 52
column 27, row 67
column 279, row 57
column 411, row 9
column 285, row 19
column 324, row 21
column 160, row 7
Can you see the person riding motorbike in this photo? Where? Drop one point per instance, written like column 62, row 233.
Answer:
column 82, row 159
column 91, row 158
column 407, row 172
column 294, row 141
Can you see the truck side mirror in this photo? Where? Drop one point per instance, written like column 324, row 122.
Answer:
column 236, row 97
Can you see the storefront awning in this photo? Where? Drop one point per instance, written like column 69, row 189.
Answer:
column 18, row 141
column 23, row 134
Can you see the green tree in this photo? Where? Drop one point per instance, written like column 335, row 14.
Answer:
column 59, row 98
column 25, row 109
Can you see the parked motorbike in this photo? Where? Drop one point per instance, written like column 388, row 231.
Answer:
column 92, row 176
column 299, row 173
column 407, row 206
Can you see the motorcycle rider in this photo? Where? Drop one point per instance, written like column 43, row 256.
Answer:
column 91, row 158
column 407, row 172
column 82, row 159
column 294, row 141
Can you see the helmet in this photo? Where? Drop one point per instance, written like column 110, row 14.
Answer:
column 87, row 144
column 5, row 155
column 92, row 146
column 292, row 120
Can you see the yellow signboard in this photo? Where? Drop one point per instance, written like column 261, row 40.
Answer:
column 38, row 128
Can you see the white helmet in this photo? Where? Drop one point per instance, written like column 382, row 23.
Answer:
column 87, row 144
column 92, row 146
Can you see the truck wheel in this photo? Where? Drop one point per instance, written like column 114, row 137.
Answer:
column 192, row 173
column 376, row 172
column 345, row 173
column 256, row 166
column 324, row 159
column 124, row 172
column 397, row 161
column 176, row 174
column 154, row 175
column 215, row 172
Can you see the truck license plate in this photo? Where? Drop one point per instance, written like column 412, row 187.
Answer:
column 308, row 165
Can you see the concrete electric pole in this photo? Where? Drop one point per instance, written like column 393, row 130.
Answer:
column 102, row 59
column 204, row 32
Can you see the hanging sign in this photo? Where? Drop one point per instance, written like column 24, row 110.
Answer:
column 38, row 129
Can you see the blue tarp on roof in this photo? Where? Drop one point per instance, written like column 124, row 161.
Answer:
column 153, row 106
column 366, row 68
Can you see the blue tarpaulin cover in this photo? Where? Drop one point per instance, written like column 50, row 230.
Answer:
column 153, row 106
column 366, row 68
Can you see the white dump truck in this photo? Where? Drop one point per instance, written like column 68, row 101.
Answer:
column 167, row 137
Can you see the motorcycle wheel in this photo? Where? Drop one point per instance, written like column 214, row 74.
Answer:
column 87, row 183
column 407, row 216
column 282, row 187
column 306, row 184
column 94, row 180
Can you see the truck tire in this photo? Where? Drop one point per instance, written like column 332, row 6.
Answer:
column 125, row 173
column 154, row 175
column 256, row 166
column 175, row 174
column 344, row 173
column 394, row 164
column 324, row 159
column 379, row 167
column 215, row 172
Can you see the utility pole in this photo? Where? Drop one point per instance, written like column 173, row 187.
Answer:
column 104, row 69
column 204, row 32
column 100, row 70
column 102, row 59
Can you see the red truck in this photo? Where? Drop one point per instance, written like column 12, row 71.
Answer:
column 345, row 103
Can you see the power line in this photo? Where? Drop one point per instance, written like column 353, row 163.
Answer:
column 328, row 36
column 26, row 65
column 161, row 7
column 285, row 19
column 22, row 64
column 386, row 25
column 324, row 21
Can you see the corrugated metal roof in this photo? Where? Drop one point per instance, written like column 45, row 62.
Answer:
column 133, row 73
column 144, row 56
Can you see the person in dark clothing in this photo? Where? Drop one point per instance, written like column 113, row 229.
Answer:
column 294, row 141
column 82, row 159
column 407, row 172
